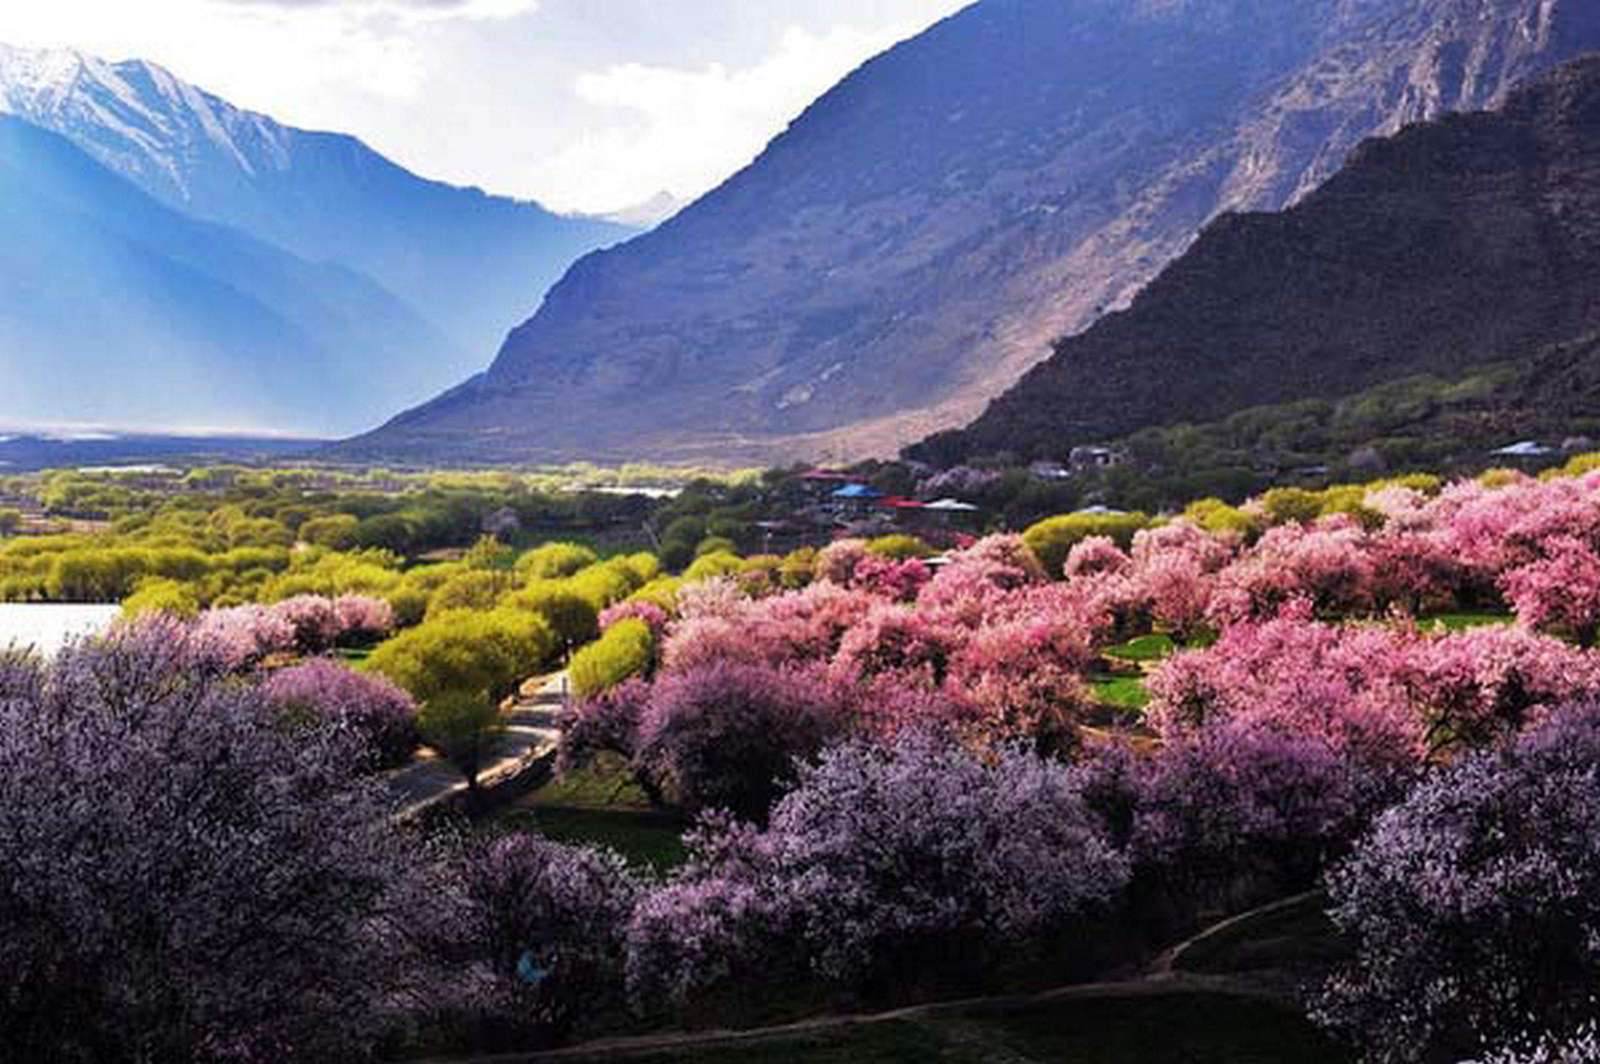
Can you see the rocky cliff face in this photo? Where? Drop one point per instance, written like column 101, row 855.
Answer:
column 1470, row 240
column 915, row 240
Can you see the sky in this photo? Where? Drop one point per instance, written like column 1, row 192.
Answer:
column 584, row 105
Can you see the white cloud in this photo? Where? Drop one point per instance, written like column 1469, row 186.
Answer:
column 685, row 130
column 584, row 104
column 409, row 10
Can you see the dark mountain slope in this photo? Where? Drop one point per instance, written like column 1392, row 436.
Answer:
column 1471, row 240
column 117, row 310
column 910, row 246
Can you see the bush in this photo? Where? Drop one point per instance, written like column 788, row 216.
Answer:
column 626, row 649
column 161, row 595
column 715, row 545
column 555, row 560
column 462, row 726
column 571, row 616
column 711, row 566
column 467, row 651
column 472, row 589
column 324, row 692
column 1474, row 906
column 899, row 547
column 1051, row 539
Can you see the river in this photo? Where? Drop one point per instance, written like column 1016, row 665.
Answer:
column 46, row 627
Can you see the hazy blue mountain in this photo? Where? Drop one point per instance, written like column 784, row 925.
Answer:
column 914, row 241
column 472, row 263
column 116, row 309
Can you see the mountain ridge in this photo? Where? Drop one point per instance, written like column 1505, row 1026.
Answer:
column 1470, row 240
column 116, row 309
column 472, row 262
column 928, row 226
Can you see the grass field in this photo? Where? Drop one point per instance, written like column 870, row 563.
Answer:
column 1160, row 1028
column 602, row 807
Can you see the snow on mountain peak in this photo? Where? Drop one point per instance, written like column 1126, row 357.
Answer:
column 137, row 117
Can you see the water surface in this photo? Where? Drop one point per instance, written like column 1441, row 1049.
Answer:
column 46, row 627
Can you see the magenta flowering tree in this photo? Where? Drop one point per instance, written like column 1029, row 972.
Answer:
column 1476, row 687
column 728, row 736
column 1341, row 683
column 1474, row 906
column 362, row 620
column 1560, row 590
column 315, row 621
column 323, row 691
column 639, row 609
column 1095, row 555
column 182, row 879
column 1177, row 590
column 1412, row 569
column 1325, row 565
column 897, row 581
column 886, row 865
column 543, row 935
column 836, row 563
column 1027, row 679
column 723, row 735
column 899, row 641
column 1244, row 811
column 244, row 635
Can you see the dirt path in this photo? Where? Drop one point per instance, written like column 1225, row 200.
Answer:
column 530, row 736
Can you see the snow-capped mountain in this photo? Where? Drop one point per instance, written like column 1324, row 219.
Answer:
column 470, row 262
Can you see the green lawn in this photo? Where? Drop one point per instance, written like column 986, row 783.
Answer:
column 601, row 807
column 1120, row 692
column 1145, row 648
column 1457, row 622
column 1166, row 1028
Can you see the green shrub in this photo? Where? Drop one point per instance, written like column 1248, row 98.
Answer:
column 161, row 595
column 899, row 546
column 1292, row 504
column 601, row 585
column 475, row 589
column 553, row 561
column 336, row 531
column 1214, row 515
column 1052, row 539
column 710, row 566
column 410, row 605
column 467, row 651
column 715, row 545
column 461, row 726
column 627, row 649
column 663, row 591
column 644, row 566
column 571, row 615
column 798, row 568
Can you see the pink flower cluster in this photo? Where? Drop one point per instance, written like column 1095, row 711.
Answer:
column 308, row 624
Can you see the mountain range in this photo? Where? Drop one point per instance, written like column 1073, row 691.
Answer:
column 910, row 246
column 1464, row 247
column 245, row 273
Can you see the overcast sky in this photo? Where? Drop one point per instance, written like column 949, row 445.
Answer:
column 582, row 104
